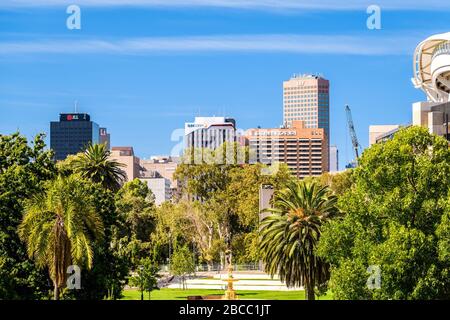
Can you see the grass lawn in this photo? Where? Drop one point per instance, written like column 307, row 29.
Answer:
column 178, row 294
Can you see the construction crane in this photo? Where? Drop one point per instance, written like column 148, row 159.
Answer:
column 351, row 128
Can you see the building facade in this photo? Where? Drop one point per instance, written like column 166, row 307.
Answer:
column 72, row 134
column 304, row 150
column 378, row 133
column 131, row 163
column 432, row 75
column 307, row 98
column 334, row 159
column 209, row 132
column 160, row 188
column 105, row 137
column 165, row 166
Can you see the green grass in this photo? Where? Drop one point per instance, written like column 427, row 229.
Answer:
column 178, row 294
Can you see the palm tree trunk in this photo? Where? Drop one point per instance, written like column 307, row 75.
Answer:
column 309, row 285
column 310, row 293
column 56, row 292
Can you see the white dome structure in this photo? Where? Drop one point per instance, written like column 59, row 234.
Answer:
column 432, row 67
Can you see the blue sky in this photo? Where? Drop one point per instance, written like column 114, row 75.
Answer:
column 142, row 68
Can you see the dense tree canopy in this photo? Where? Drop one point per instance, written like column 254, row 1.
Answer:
column 136, row 215
column 24, row 169
column 222, row 204
column 396, row 207
column 396, row 218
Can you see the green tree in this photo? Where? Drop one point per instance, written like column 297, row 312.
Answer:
column 227, row 194
column 108, row 275
column 24, row 168
column 339, row 183
column 290, row 235
column 396, row 219
column 60, row 227
column 96, row 165
column 182, row 264
column 135, row 206
column 146, row 278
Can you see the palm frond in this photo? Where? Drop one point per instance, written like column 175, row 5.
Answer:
column 60, row 226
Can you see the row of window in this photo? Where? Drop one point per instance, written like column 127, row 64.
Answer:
column 304, row 104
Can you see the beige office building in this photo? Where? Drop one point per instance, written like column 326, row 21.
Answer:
column 304, row 150
column 125, row 155
column 307, row 98
column 165, row 166
column 378, row 133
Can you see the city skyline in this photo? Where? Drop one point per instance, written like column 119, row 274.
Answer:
column 140, row 93
column 224, row 150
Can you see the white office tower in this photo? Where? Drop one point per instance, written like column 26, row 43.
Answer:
column 432, row 75
column 209, row 132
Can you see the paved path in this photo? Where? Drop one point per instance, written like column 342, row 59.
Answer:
column 246, row 281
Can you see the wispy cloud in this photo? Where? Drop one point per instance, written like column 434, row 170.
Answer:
column 242, row 4
column 23, row 104
column 269, row 43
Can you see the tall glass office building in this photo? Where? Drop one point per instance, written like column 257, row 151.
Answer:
column 72, row 134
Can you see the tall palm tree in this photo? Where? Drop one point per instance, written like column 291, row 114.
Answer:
column 60, row 226
column 289, row 236
column 95, row 164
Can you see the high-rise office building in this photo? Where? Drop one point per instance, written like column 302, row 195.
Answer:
column 209, row 132
column 72, row 134
column 306, row 98
column 304, row 150
column 334, row 159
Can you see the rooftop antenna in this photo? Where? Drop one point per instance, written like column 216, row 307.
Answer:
column 76, row 106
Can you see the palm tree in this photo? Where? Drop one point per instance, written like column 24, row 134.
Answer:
column 60, row 226
column 95, row 164
column 289, row 236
